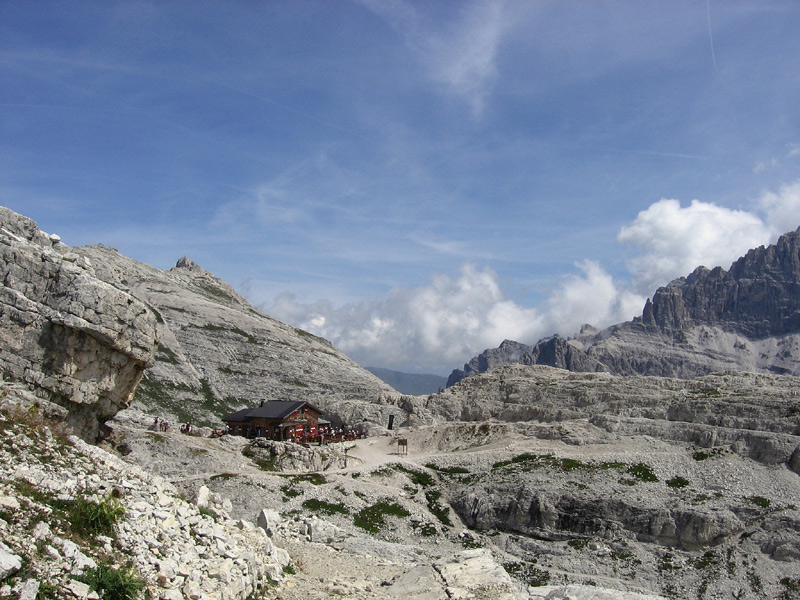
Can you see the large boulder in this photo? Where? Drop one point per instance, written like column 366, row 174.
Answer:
column 77, row 341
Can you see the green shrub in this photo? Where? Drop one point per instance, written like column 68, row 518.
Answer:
column 372, row 518
column 528, row 573
column 678, row 482
column 448, row 470
column 437, row 509
column 760, row 501
column 89, row 517
column 419, row 478
column 642, row 472
column 114, row 584
column 328, row 508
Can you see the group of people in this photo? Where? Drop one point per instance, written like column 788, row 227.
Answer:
column 163, row 425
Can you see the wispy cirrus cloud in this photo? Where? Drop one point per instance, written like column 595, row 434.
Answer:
column 461, row 56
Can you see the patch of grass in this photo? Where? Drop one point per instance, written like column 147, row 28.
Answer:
column 114, row 584
column 708, row 560
column 265, row 463
column 373, row 518
column 419, row 478
column 791, row 589
column 323, row 507
column 448, row 470
column 83, row 516
column 760, row 501
column 92, row 518
column 289, row 492
column 470, row 542
column 312, row 478
column 527, row 573
column 578, row 544
column 424, row 528
column 436, row 508
column 612, row 465
column 666, row 565
column 642, row 472
column 678, row 482
column 165, row 355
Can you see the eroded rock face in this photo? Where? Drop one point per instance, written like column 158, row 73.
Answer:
column 217, row 353
column 746, row 319
column 80, row 342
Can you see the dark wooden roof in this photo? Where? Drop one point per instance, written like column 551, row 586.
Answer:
column 274, row 409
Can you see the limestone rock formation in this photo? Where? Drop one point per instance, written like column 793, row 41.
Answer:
column 746, row 318
column 70, row 509
column 754, row 415
column 76, row 340
column 218, row 354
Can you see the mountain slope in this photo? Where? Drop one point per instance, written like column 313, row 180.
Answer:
column 746, row 318
column 217, row 353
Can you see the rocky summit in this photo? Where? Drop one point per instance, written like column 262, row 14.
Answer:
column 523, row 481
column 216, row 353
column 746, row 318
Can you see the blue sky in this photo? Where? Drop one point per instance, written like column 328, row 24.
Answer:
column 415, row 181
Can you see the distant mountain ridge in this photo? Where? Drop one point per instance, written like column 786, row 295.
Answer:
column 746, row 318
column 414, row 384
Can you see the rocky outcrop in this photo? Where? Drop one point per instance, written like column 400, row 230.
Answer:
column 755, row 415
column 288, row 456
column 70, row 510
column 506, row 353
column 746, row 318
column 545, row 515
column 78, row 341
column 218, row 354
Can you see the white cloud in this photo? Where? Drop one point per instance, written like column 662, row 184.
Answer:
column 440, row 326
column 591, row 297
column 675, row 239
column 782, row 210
column 462, row 58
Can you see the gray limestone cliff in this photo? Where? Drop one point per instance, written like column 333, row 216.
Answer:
column 76, row 340
column 746, row 318
column 217, row 353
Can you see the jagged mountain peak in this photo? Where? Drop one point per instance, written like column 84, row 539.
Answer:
column 746, row 317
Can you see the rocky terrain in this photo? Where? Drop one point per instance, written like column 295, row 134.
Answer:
column 76, row 520
column 573, row 504
column 746, row 319
column 524, row 481
column 217, row 354
column 79, row 342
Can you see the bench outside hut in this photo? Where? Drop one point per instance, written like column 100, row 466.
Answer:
column 280, row 420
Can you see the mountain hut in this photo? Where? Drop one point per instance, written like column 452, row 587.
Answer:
column 279, row 420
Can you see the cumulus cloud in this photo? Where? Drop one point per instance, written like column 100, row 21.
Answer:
column 672, row 240
column 439, row 326
column 782, row 209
